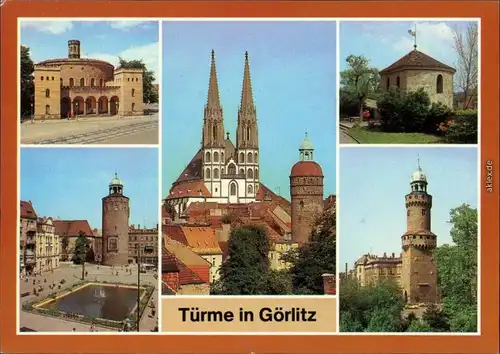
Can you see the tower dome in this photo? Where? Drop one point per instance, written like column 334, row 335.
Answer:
column 418, row 176
column 116, row 185
column 306, row 144
column 115, row 181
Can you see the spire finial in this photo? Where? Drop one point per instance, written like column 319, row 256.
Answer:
column 246, row 92
column 116, row 172
column 414, row 35
column 213, row 100
column 418, row 162
column 306, row 133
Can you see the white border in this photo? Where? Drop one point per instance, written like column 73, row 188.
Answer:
column 159, row 146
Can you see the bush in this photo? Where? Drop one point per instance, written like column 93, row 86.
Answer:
column 402, row 111
column 438, row 114
column 461, row 128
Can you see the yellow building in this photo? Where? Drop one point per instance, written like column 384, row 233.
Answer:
column 278, row 248
column 75, row 86
column 47, row 246
column 371, row 269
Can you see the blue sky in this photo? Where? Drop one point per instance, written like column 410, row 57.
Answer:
column 70, row 182
column 373, row 185
column 384, row 42
column 293, row 73
column 105, row 40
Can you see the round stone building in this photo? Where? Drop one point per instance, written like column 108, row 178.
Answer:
column 418, row 269
column 75, row 86
column 115, row 222
column 306, row 190
column 417, row 70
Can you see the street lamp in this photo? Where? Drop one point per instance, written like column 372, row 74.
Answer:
column 118, row 109
column 32, row 113
column 138, row 281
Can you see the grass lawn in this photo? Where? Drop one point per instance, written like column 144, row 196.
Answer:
column 375, row 136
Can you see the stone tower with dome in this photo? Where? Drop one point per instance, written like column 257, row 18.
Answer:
column 115, row 222
column 419, row 273
column 306, row 191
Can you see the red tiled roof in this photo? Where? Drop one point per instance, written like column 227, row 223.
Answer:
column 27, row 210
column 307, row 169
column 186, row 275
column 271, row 233
column 193, row 169
column 265, row 194
column 191, row 188
column 417, row 60
column 199, row 238
column 192, row 268
column 72, row 228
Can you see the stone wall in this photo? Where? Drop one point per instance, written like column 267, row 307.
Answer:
column 115, row 222
column 194, row 289
column 307, row 205
column 131, row 91
column 418, row 211
column 419, row 275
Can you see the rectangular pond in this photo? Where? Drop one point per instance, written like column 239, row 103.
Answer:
column 111, row 302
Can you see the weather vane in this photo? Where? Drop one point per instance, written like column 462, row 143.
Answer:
column 414, row 35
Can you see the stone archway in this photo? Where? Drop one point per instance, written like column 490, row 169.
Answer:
column 65, row 107
column 102, row 105
column 114, row 103
column 90, row 105
column 78, row 106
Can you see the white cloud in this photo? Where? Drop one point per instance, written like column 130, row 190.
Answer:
column 433, row 38
column 126, row 25
column 53, row 27
column 148, row 53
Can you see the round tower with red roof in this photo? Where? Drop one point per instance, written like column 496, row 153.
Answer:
column 306, row 191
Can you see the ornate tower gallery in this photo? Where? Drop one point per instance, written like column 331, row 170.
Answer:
column 115, row 222
column 419, row 274
column 306, row 190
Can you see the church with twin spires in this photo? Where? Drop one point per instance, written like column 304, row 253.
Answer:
column 222, row 171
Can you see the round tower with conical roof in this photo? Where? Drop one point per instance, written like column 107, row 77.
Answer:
column 306, row 191
column 115, row 222
column 419, row 273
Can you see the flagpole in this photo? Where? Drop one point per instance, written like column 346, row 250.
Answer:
column 415, row 42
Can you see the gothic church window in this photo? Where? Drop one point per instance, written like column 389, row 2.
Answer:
column 249, row 157
column 256, row 158
column 439, row 84
column 216, row 173
column 233, row 189
column 250, row 189
column 250, row 173
column 231, row 169
column 214, row 133
column 242, row 171
column 242, row 158
column 207, row 157
column 216, row 156
column 222, row 156
column 207, row 173
column 256, row 174
column 248, row 133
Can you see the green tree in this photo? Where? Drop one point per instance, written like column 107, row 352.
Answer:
column 436, row 319
column 315, row 258
column 27, row 85
column 81, row 249
column 149, row 92
column 457, row 270
column 359, row 80
column 246, row 271
column 64, row 245
column 375, row 307
column 419, row 326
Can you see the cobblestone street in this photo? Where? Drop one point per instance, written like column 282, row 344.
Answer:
column 72, row 274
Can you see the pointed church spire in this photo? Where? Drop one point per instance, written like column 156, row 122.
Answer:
column 246, row 92
column 213, row 100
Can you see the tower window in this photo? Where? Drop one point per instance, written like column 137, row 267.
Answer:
column 133, row 92
column 256, row 174
column 92, row 82
column 408, row 212
column 216, row 173
column 248, row 133
column 250, row 189
column 256, row 157
column 216, row 156
column 231, row 169
column 207, row 157
column 242, row 158
column 214, row 133
column 249, row 157
column 222, row 157
column 439, row 84
column 207, row 173
column 82, row 82
column 47, row 93
column 398, row 82
column 250, row 173
column 423, row 211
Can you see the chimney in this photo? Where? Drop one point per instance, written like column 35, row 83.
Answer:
column 329, row 285
column 74, row 49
